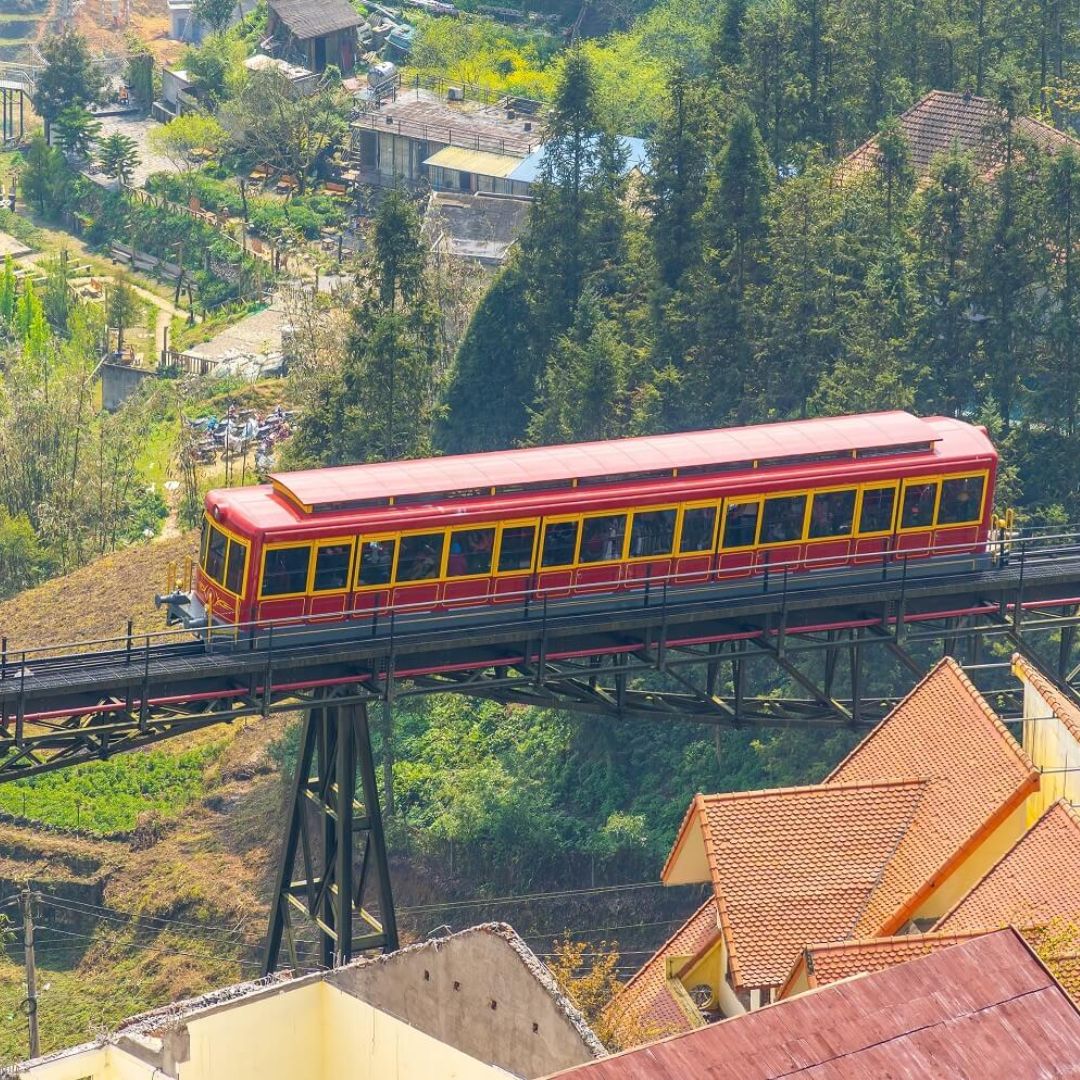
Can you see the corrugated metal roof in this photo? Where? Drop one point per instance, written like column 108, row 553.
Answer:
column 474, row 161
column 984, row 1009
column 636, row 158
column 541, row 464
column 313, row 18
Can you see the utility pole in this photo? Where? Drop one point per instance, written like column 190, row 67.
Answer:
column 30, row 1005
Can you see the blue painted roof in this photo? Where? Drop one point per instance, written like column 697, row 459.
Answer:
column 528, row 171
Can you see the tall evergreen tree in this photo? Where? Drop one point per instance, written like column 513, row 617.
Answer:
column 70, row 76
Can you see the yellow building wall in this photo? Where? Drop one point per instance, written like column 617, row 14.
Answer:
column 94, row 1063
column 1051, row 746
column 960, row 882
column 365, row 1044
column 711, row 970
column 690, row 864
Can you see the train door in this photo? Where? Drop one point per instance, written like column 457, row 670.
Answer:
column 738, row 537
column 918, row 509
column 652, row 545
column 558, row 550
column 959, row 513
column 514, row 561
column 697, row 542
column 468, row 565
column 601, row 551
column 331, row 576
column 783, row 526
column 830, row 527
column 421, row 560
column 877, row 511
column 375, row 560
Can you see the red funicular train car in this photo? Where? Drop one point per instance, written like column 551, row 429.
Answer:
column 705, row 509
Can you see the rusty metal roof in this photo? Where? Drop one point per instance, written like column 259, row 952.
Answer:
column 985, row 1009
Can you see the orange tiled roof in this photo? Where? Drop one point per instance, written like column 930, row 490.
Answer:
column 1061, row 705
column 835, row 960
column 788, row 863
column 976, row 775
column 944, row 119
column 1036, row 881
column 653, row 1004
column 1066, row 969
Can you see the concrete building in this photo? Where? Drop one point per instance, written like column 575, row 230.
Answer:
column 183, row 26
column 476, row 1005
column 303, row 81
column 932, row 811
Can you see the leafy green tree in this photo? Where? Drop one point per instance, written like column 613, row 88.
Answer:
column 46, row 179
column 216, row 67
column 21, row 560
column 69, row 76
column 75, row 131
column 7, row 294
column 214, row 14
column 122, row 310
column 186, row 139
column 118, row 157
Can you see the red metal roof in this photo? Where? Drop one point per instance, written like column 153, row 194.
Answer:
column 985, row 1009
column 728, row 446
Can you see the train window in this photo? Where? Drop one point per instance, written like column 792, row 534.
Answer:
column 917, row 510
column 332, row 567
column 285, row 571
column 376, row 562
column 961, row 500
column 560, row 540
column 234, row 571
column 832, row 513
column 421, row 557
column 877, row 509
column 698, row 529
column 782, row 520
column 470, row 552
column 740, row 524
column 204, row 542
column 602, row 538
column 516, row 548
column 216, row 548
column 652, row 533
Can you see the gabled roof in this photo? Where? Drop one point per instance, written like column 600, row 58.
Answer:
column 976, row 775
column 314, row 18
column 944, row 119
column 787, row 863
column 1035, row 882
column 1061, row 704
column 986, row 1009
column 832, row 961
column 654, row 1003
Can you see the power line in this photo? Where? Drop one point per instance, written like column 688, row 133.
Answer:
column 524, row 898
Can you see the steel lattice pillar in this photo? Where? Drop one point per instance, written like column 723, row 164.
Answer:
column 334, row 846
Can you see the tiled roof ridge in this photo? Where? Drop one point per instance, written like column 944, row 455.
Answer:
column 824, row 788
column 1056, row 696
column 662, row 949
column 726, row 931
column 945, row 663
column 1061, row 804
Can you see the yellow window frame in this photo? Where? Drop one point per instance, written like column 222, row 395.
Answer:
column 739, row 500
column 917, row 481
column 494, row 527
column 621, row 557
column 332, row 541
column 631, row 517
column 718, row 520
column 801, row 538
column 813, row 494
column 561, row 519
column 231, row 538
column 374, row 538
column 877, row 485
column 516, row 524
column 985, row 475
column 443, row 556
column 284, row 545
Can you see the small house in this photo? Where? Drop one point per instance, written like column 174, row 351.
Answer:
column 315, row 34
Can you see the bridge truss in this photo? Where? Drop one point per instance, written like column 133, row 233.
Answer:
column 791, row 654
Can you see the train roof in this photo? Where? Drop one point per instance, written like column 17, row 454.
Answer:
column 616, row 459
column 331, row 494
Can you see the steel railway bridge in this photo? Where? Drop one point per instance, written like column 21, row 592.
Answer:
column 658, row 655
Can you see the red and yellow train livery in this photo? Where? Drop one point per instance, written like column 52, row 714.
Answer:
column 838, row 496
